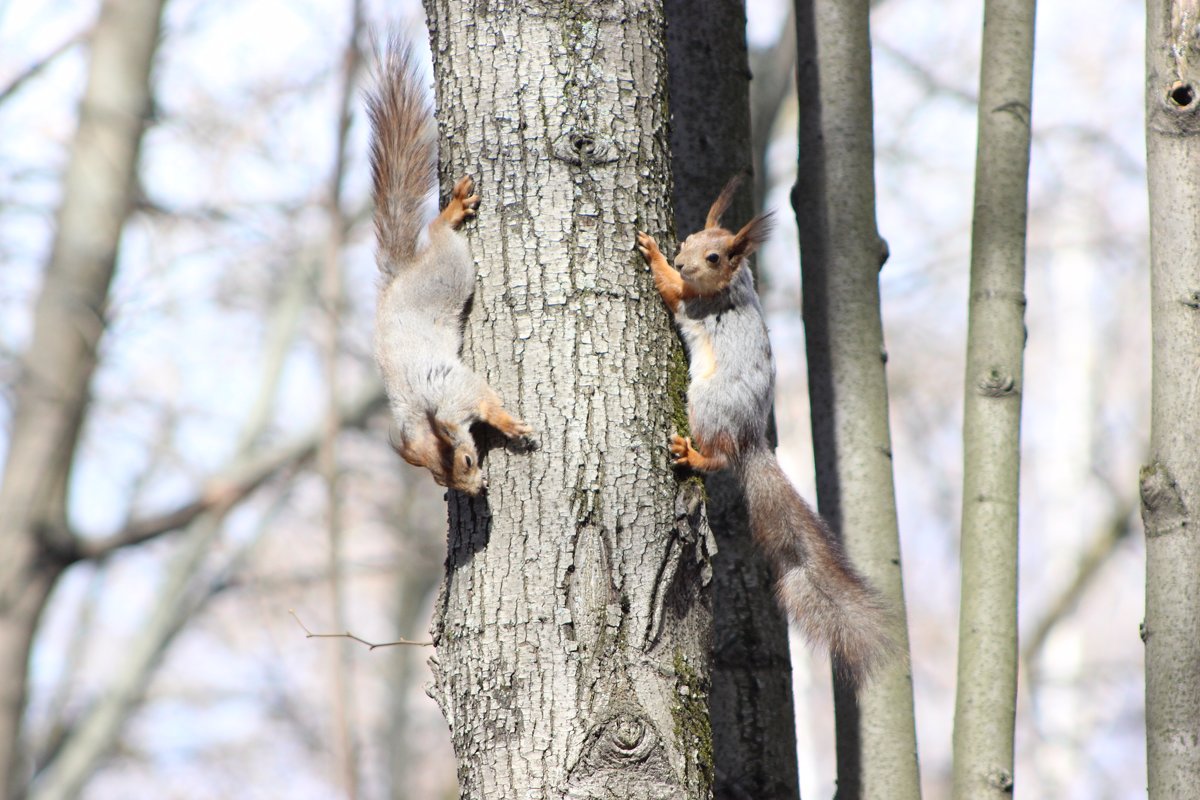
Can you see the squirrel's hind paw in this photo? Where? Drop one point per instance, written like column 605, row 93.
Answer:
column 463, row 205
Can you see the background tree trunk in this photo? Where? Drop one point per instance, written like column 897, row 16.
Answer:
column 985, row 706
column 841, row 253
column 754, row 727
column 68, row 322
column 1170, row 484
column 573, row 626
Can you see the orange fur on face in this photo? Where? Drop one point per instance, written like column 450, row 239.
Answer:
column 706, row 261
column 709, row 258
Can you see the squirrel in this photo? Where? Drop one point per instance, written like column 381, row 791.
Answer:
column 424, row 289
column 730, row 395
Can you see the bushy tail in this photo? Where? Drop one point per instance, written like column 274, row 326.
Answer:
column 403, row 155
column 816, row 584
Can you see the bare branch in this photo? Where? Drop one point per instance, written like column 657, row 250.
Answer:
column 228, row 488
column 348, row 635
column 33, row 70
column 1116, row 529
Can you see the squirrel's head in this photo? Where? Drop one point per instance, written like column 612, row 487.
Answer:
column 709, row 258
column 458, row 457
column 464, row 473
column 449, row 454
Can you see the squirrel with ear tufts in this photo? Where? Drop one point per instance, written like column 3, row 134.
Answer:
column 730, row 394
column 424, row 290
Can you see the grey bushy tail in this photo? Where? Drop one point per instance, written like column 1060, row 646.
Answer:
column 403, row 156
column 815, row 582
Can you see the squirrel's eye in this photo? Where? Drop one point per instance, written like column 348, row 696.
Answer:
column 712, row 258
column 468, row 461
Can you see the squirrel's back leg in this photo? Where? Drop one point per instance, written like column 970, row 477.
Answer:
column 686, row 455
column 462, row 206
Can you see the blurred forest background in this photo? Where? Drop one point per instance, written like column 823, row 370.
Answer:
column 216, row 359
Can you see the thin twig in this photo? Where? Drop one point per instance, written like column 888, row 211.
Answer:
column 33, row 70
column 234, row 483
column 348, row 635
column 1115, row 530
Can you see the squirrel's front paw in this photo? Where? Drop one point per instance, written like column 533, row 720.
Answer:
column 520, row 436
column 525, row 443
column 647, row 246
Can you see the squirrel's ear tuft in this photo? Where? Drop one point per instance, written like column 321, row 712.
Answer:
column 721, row 204
column 752, row 234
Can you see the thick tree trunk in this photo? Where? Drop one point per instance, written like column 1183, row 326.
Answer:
column 754, row 728
column 69, row 319
column 985, row 706
column 1170, row 484
column 573, row 626
column 842, row 252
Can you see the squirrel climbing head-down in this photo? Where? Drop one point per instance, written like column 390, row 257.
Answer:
column 427, row 277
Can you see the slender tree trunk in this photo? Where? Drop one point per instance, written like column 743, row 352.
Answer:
column 985, row 707
column 346, row 747
column 573, row 627
column 842, row 252
column 69, row 319
column 415, row 583
column 94, row 734
column 754, row 728
column 1170, row 484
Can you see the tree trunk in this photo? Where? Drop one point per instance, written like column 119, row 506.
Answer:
column 573, row 626
column 69, row 319
column 1170, row 484
column 834, row 200
column 985, row 707
column 754, row 727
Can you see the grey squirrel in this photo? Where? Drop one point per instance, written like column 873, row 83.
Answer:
column 424, row 289
column 730, row 394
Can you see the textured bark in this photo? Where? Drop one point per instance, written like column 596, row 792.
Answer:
column 834, row 200
column 1170, row 484
column 68, row 321
column 754, row 729
column 985, row 704
column 573, row 626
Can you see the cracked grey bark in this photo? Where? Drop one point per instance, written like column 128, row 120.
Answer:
column 986, row 697
column 754, row 727
column 842, row 252
column 1170, row 484
column 573, row 626
column 69, row 320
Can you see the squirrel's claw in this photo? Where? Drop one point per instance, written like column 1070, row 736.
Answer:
column 525, row 443
column 462, row 193
column 646, row 245
column 463, row 205
column 681, row 450
column 462, row 189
